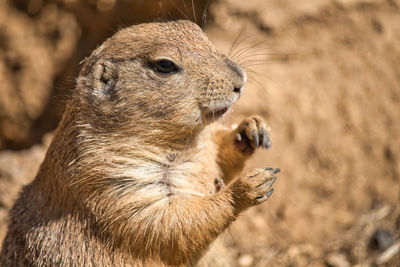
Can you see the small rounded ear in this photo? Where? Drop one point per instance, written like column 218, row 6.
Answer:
column 105, row 77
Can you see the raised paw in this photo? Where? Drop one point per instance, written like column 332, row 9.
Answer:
column 251, row 134
column 254, row 187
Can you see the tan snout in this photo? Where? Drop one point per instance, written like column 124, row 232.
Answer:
column 238, row 77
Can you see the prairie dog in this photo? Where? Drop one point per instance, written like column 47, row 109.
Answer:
column 139, row 173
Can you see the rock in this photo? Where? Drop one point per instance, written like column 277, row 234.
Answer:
column 381, row 240
column 337, row 260
column 245, row 260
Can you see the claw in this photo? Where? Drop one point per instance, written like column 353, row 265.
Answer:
column 271, row 182
column 269, row 145
column 276, row 170
column 269, row 192
column 252, row 133
column 264, row 138
column 255, row 139
column 238, row 137
column 268, row 183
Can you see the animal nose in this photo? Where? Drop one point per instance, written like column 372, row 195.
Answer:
column 237, row 89
column 238, row 77
column 238, row 84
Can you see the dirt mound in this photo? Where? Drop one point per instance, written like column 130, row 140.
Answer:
column 324, row 73
column 41, row 46
column 32, row 53
column 331, row 92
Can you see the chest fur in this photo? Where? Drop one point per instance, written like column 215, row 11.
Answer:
column 196, row 173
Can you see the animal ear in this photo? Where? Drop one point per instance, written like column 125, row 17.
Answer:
column 105, row 77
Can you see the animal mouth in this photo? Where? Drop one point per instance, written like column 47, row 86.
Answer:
column 216, row 113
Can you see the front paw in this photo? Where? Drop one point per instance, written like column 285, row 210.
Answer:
column 251, row 134
column 254, row 187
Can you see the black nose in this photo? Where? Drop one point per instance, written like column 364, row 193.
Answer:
column 237, row 89
column 237, row 76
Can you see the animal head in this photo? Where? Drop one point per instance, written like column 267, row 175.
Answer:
column 161, row 74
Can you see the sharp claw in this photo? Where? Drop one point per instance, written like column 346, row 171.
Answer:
column 268, row 169
column 276, row 170
column 269, row 145
column 270, row 192
column 255, row 139
column 271, row 182
column 264, row 138
column 238, row 137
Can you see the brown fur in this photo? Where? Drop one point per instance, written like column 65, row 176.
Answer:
column 136, row 173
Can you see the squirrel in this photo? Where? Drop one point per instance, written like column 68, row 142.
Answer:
column 140, row 172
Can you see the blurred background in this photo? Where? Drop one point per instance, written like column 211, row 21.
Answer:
column 324, row 73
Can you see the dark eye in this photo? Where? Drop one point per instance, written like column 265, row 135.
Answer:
column 165, row 66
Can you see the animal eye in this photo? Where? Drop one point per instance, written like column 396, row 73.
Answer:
column 165, row 66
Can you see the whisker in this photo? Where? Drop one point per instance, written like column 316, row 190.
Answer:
column 204, row 17
column 257, row 60
column 259, row 82
column 184, row 5
column 253, row 72
column 180, row 11
column 272, row 56
column 194, row 12
column 251, row 37
column 235, row 42
column 245, row 49
column 257, row 63
column 264, row 76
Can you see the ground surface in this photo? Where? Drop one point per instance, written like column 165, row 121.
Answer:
column 324, row 73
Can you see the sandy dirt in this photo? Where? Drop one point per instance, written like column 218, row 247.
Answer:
column 324, row 73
